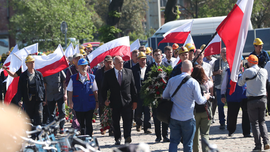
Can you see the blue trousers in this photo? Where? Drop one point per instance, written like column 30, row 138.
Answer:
column 221, row 114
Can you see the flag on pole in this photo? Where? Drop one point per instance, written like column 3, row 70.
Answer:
column 233, row 31
column 120, row 46
column 214, row 47
column 177, row 35
column 8, row 59
column 77, row 49
column 12, row 83
column 52, row 63
column 32, row 49
column 69, row 50
column 135, row 45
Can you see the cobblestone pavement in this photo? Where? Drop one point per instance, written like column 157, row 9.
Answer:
column 236, row 143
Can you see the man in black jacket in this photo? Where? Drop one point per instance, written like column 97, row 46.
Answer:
column 158, row 62
column 32, row 90
column 139, row 72
column 123, row 97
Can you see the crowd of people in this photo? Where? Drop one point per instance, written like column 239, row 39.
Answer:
column 118, row 84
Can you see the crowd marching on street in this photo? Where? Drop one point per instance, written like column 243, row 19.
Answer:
column 113, row 90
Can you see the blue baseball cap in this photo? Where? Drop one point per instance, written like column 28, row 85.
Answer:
column 82, row 61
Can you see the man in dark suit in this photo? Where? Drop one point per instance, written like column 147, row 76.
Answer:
column 139, row 72
column 158, row 62
column 123, row 97
column 149, row 59
column 134, row 57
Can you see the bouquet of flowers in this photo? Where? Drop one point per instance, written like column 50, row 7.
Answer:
column 155, row 84
column 106, row 117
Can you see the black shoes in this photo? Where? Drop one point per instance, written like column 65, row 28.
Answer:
column 117, row 142
column 128, row 140
column 138, row 128
column 166, row 140
column 158, row 140
column 247, row 136
column 222, row 126
column 147, row 131
column 230, row 134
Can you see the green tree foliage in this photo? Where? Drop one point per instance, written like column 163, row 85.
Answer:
column 171, row 11
column 261, row 13
column 37, row 21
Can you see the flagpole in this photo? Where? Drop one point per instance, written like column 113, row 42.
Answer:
column 195, row 59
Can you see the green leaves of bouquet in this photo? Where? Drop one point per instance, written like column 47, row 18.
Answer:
column 155, row 84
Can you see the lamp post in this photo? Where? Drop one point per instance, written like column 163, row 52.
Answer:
column 63, row 29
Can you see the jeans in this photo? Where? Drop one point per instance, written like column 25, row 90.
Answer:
column 184, row 130
column 221, row 114
column 61, row 109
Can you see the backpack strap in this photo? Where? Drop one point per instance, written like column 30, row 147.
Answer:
column 253, row 76
column 183, row 81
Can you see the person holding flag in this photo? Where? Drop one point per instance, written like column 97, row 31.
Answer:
column 255, row 78
column 31, row 86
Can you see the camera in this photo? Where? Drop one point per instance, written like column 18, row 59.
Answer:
column 212, row 98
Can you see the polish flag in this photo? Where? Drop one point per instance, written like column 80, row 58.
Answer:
column 177, row 35
column 117, row 47
column 135, row 45
column 69, row 50
column 233, row 31
column 52, row 63
column 12, row 83
column 77, row 49
column 214, row 47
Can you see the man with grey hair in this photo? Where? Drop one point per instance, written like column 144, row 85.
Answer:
column 182, row 123
column 134, row 59
column 123, row 97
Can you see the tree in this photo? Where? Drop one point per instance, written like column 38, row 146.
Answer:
column 260, row 14
column 171, row 11
column 39, row 21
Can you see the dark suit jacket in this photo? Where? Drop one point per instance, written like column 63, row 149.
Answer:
column 137, row 77
column 154, row 64
column 121, row 96
column 149, row 59
column 128, row 65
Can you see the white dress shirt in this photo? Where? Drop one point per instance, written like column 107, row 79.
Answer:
column 116, row 73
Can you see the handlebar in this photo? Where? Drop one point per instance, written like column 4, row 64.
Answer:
column 45, row 128
column 83, row 145
column 46, row 144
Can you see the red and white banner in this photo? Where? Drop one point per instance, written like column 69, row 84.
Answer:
column 69, row 50
column 177, row 35
column 117, row 47
column 135, row 45
column 214, row 47
column 233, row 31
column 52, row 63
column 12, row 83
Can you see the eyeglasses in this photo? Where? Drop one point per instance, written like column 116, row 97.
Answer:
column 157, row 55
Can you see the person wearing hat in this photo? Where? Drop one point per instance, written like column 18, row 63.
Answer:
column 234, row 101
column 139, row 73
column 108, row 64
column 74, row 68
column 191, row 48
column 83, row 53
column 81, row 47
column 31, row 86
column 261, row 54
column 83, row 96
column 89, row 48
column 158, row 131
column 183, row 55
column 134, row 59
column 255, row 78
column 148, row 51
column 169, row 53
column 175, row 51
column 149, row 59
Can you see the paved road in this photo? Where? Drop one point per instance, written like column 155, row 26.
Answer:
column 236, row 143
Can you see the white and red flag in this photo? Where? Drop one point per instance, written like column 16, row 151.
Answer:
column 177, row 35
column 12, row 83
column 135, row 45
column 117, row 47
column 52, row 63
column 77, row 49
column 233, row 32
column 69, row 50
column 214, row 47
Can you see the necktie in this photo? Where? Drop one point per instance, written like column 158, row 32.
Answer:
column 119, row 78
column 169, row 61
